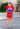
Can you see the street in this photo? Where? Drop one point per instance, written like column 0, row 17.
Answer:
column 15, row 22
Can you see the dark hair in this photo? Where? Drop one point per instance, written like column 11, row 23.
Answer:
column 10, row 3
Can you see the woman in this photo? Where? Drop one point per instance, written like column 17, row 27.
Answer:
column 9, row 10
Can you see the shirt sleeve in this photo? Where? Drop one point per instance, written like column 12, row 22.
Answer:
column 13, row 7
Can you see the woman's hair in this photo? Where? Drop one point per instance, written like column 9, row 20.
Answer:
column 10, row 3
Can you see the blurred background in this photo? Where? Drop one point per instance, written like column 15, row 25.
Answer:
column 3, row 3
column 16, row 20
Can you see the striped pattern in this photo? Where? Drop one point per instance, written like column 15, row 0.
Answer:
column 9, row 10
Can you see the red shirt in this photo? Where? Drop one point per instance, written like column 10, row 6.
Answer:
column 9, row 7
column 9, row 14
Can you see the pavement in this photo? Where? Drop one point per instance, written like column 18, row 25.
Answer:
column 14, row 24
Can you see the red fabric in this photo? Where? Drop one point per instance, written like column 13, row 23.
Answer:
column 9, row 7
column 9, row 14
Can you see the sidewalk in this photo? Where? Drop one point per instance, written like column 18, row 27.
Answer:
column 3, row 15
column 15, row 22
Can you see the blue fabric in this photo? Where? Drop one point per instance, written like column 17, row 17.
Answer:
column 9, row 10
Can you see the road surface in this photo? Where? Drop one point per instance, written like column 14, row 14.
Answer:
column 15, row 23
